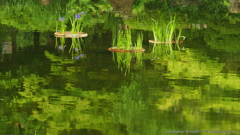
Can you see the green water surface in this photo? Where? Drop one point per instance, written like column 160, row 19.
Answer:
column 45, row 90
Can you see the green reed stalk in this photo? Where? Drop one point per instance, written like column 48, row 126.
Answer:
column 62, row 40
column 138, row 58
column 158, row 31
column 79, row 25
column 62, row 43
column 76, row 23
column 170, row 32
column 157, row 49
column 128, row 39
column 56, row 45
column 124, row 40
column 114, row 42
column 165, row 34
column 158, row 36
column 76, row 45
column 62, row 25
column 73, row 23
column 139, row 41
column 119, row 58
column 169, row 36
column 124, row 61
column 127, row 62
column 56, row 26
column 120, row 39
column 178, row 38
column 114, row 35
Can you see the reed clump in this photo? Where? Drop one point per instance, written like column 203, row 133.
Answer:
column 124, row 40
column 165, row 35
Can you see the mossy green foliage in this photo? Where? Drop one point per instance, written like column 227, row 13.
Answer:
column 31, row 15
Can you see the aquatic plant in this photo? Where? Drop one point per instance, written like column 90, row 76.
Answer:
column 127, row 60
column 79, row 56
column 63, row 26
column 138, row 45
column 75, row 34
column 124, row 61
column 76, row 45
column 164, row 37
column 60, row 47
column 76, row 23
column 62, row 44
column 75, row 48
column 124, row 41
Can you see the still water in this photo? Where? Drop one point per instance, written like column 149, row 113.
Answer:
column 46, row 89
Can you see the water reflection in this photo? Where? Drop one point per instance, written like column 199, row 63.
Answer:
column 197, row 26
column 7, row 48
column 75, row 48
column 6, row 51
column 234, row 6
column 124, row 8
column 47, row 91
column 45, row 2
column 128, row 60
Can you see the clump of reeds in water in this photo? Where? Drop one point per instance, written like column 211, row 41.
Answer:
column 123, row 41
column 125, row 60
column 62, row 44
column 76, row 45
column 165, row 34
column 139, row 41
column 75, row 48
column 76, row 23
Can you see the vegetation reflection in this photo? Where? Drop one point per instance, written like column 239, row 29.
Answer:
column 51, row 93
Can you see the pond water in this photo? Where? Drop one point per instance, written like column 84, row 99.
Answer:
column 49, row 88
